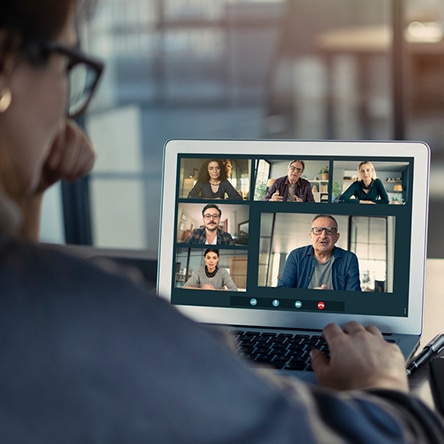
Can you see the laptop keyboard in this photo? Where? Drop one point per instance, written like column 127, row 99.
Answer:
column 284, row 351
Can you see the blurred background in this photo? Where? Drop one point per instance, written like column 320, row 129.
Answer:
column 298, row 69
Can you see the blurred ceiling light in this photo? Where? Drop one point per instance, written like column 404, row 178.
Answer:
column 426, row 32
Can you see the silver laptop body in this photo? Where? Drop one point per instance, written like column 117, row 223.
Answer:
column 389, row 239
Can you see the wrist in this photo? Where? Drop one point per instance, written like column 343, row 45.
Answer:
column 395, row 383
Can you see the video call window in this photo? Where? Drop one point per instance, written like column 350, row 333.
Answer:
column 215, row 178
column 260, row 231
column 234, row 264
column 390, row 177
column 234, row 219
column 311, row 179
column 371, row 239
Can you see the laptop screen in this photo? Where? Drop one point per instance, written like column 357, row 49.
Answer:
column 295, row 233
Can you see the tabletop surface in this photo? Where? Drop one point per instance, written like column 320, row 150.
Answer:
column 433, row 324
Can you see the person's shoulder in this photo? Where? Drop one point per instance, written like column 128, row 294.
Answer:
column 52, row 272
column 340, row 252
column 306, row 250
column 19, row 254
column 58, row 273
column 51, row 258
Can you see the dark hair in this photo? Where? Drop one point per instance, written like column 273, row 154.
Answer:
column 211, row 250
column 203, row 171
column 296, row 160
column 31, row 22
column 329, row 216
column 205, row 208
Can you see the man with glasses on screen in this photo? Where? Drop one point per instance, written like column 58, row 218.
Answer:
column 292, row 187
column 210, row 233
column 322, row 265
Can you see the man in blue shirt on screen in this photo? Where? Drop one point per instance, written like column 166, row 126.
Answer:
column 322, row 265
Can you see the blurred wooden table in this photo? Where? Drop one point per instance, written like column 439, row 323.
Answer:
column 433, row 324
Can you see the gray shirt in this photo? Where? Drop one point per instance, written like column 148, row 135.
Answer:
column 219, row 281
column 322, row 274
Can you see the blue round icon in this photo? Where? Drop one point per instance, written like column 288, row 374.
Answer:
column 298, row 304
column 275, row 303
column 253, row 301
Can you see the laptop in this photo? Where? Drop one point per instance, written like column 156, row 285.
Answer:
column 255, row 236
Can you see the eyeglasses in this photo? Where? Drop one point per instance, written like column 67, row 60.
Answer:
column 211, row 216
column 292, row 168
column 83, row 74
column 328, row 230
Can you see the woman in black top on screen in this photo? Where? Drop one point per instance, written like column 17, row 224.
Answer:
column 368, row 189
column 212, row 182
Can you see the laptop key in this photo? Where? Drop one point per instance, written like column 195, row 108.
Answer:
column 296, row 364
column 279, row 363
column 281, row 351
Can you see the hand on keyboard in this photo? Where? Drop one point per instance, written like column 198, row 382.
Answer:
column 283, row 351
column 359, row 358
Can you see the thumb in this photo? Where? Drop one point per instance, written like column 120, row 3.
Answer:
column 318, row 360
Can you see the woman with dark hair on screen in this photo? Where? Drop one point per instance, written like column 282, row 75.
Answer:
column 210, row 276
column 368, row 189
column 91, row 356
column 212, row 182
